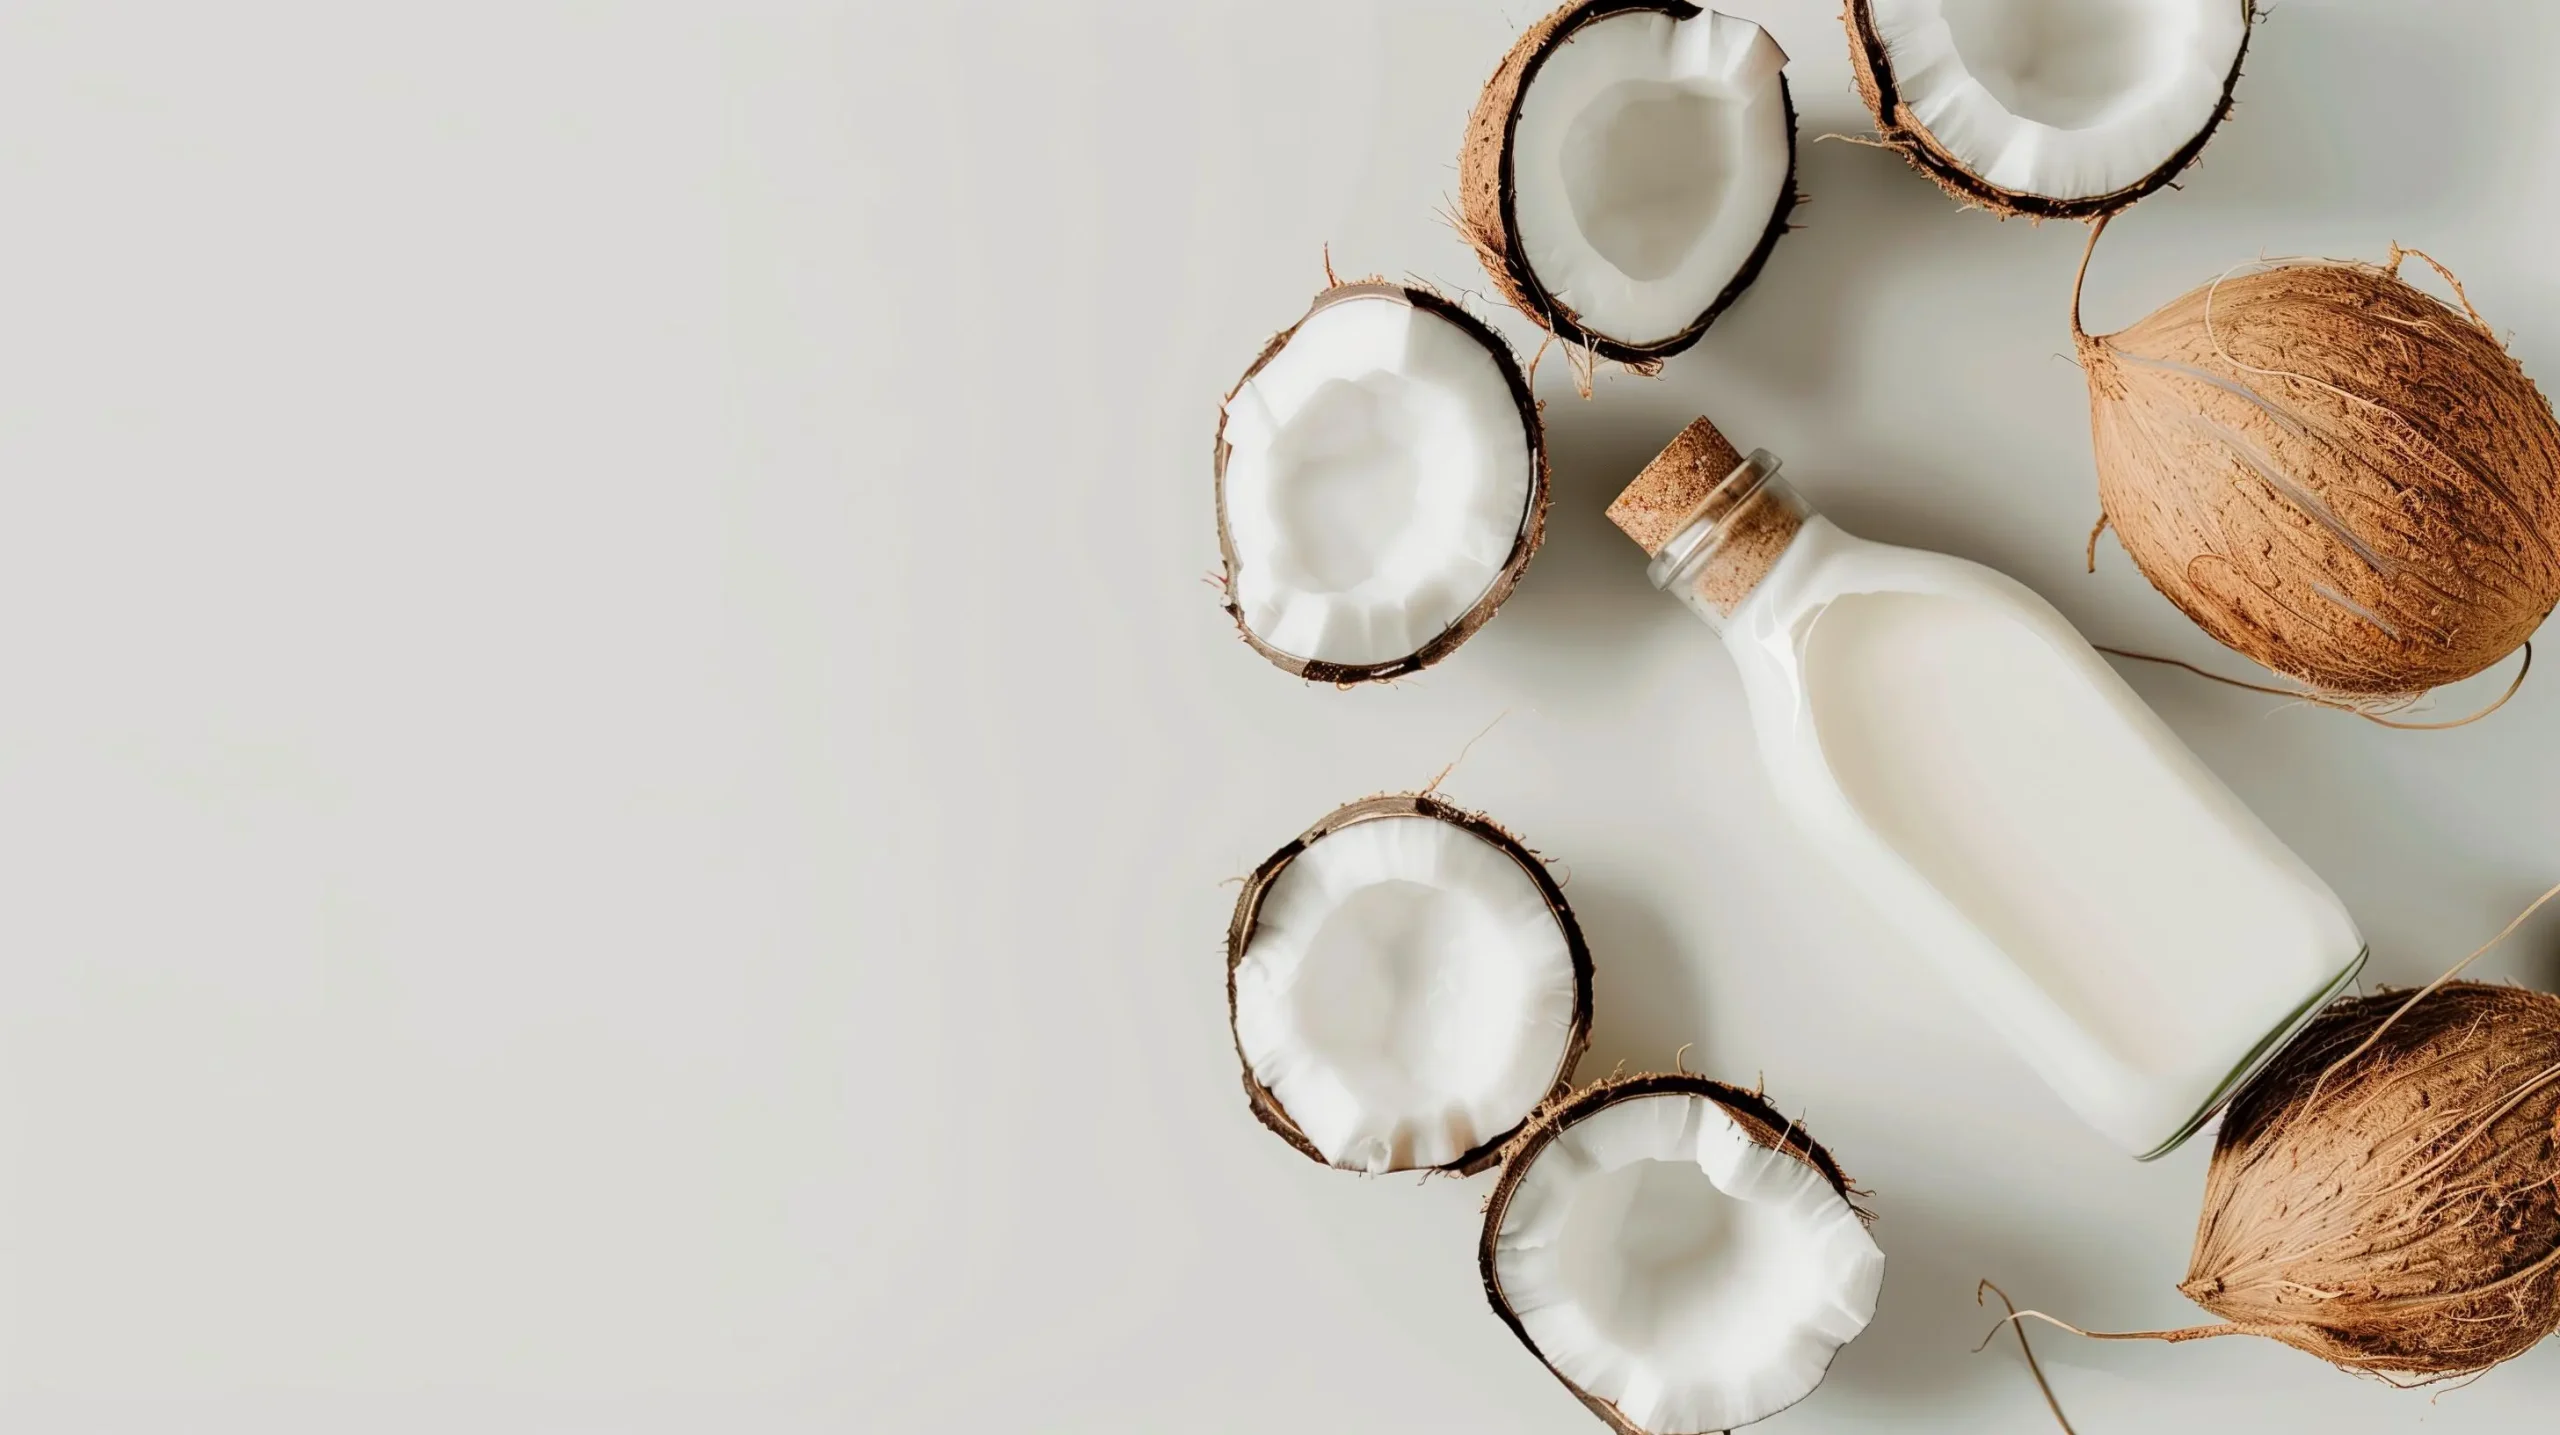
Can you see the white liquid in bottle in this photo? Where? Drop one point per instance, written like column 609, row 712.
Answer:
column 1966, row 757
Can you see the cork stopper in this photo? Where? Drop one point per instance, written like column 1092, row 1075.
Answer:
column 1666, row 497
column 1746, row 519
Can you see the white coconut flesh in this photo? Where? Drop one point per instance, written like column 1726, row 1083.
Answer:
column 1663, row 1261
column 2063, row 99
column 1647, row 163
column 1406, row 994
column 1377, row 478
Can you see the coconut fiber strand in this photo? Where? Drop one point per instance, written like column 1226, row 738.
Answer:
column 2333, row 473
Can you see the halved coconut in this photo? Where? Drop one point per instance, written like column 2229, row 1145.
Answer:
column 2057, row 109
column 1406, row 985
column 1627, row 170
column 1683, row 1258
column 1382, row 482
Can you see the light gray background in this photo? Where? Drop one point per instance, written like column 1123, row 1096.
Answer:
column 618, row 779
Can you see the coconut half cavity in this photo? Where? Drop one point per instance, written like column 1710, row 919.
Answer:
column 2059, row 109
column 1382, row 483
column 1628, row 169
column 1406, row 985
column 1683, row 1258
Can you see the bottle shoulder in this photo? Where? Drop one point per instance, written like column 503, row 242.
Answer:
column 1839, row 562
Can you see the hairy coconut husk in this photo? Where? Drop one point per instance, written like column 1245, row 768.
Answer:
column 1750, row 1110
column 1266, row 1105
column 1533, row 522
column 1487, row 193
column 2333, row 473
column 1902, row 131
column 2389, row 1199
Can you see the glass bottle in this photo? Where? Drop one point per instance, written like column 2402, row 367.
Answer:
column 1964, row 756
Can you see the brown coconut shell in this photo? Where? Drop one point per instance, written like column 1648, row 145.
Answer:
column 2333, row 473
column 1533, row 520
column 2395, row 1212
column 1240, row 929
column 1488, row 194
column 1898, row 127
column 1750, row 1110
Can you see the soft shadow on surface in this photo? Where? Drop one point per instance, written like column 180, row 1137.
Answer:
column 1647, row 1001
column 1865, row 221
column 1927, row 1323
column 2361, row 113
column 2423, row 881
column 1571, row 624
column 2537, row 964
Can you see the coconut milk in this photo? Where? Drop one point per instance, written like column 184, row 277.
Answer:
column 2041, row 836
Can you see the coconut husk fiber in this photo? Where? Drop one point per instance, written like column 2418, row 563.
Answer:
column 2389, row 1200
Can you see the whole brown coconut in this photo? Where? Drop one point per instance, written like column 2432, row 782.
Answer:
column 2333, row 473
column 2394, row 1209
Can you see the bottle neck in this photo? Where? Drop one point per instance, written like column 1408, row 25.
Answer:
column 1737, row 534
